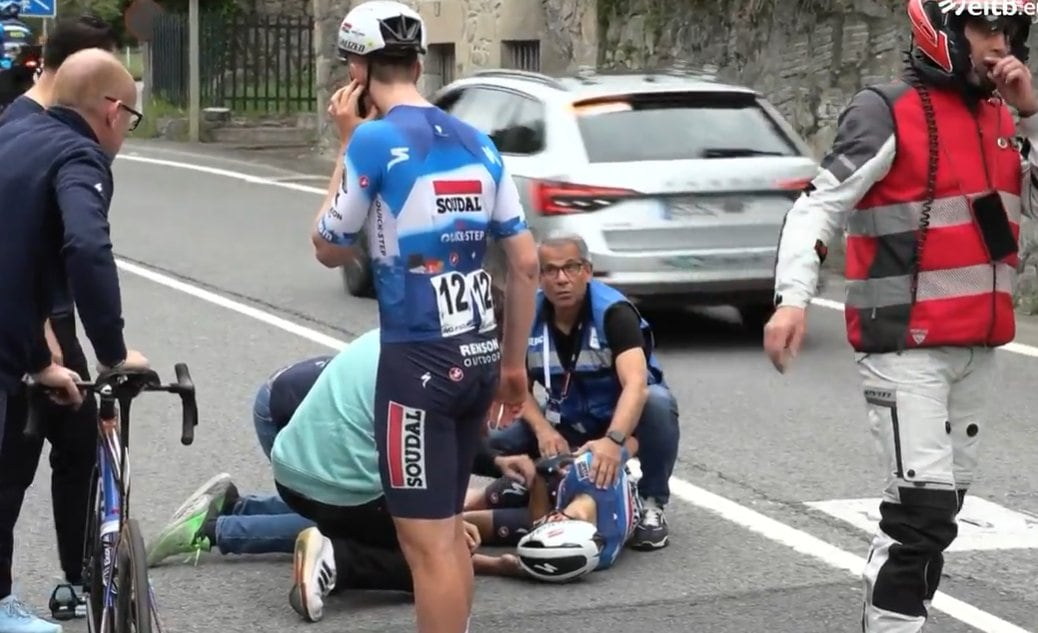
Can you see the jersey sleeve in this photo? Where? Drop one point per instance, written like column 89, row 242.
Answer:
column 861, row 156
column 365, row 156
column 508, row 218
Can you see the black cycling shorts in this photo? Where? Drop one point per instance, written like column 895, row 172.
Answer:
column 431, row 401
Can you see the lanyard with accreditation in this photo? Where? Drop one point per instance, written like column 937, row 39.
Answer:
column 553, row 408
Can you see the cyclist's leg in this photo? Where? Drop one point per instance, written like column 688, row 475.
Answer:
column 19, row 457
column 422, row 397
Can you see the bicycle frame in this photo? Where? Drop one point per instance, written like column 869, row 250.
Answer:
column 112, row 485
column 112, row 491
column 113, row 481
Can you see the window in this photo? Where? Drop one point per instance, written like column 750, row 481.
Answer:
column 674, row 126
column 525, row 132
column 438, row 67
column 521, row 55
column 514, row 122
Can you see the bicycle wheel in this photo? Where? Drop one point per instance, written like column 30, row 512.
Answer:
column 133, row 600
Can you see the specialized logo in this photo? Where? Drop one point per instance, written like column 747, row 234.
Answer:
column 353, row 47
column 405, row 443
column 458, row 196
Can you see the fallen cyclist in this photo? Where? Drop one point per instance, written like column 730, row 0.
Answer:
column 563, row 525
column 334, row 496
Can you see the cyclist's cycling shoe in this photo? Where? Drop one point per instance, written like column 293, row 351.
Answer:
column 66, row 603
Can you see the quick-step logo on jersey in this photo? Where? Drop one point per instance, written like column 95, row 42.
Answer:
column 405, row 442
column 458, row 196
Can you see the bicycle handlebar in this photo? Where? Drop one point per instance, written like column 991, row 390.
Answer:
column 122, row 386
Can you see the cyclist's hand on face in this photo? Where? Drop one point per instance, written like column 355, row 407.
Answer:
column 784, row 334
column 512, row 389
column 343, row 107
column 551, row 443
column 134, row 360
column 63, row 378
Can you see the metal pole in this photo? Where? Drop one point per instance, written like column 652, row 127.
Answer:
column 194, row 78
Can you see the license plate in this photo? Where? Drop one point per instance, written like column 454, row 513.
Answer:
column 707, row 206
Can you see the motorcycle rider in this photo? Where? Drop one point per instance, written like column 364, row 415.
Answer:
column 927, row 176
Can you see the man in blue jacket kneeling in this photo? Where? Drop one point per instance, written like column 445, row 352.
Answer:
column 593, row 354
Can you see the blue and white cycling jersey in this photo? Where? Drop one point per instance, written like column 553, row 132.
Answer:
column 427, row 188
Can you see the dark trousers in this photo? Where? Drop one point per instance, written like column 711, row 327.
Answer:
column 73, row 438
column 367, row 553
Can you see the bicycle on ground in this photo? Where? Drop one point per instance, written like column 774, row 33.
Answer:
column 119, row 595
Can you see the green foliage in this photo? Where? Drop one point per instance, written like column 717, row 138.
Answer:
column 114, row 10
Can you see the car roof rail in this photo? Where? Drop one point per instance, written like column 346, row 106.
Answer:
column 520, row 74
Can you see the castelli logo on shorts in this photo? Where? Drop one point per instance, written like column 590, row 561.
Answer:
column 406, row 447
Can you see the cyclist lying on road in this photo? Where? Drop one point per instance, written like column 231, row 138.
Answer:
column 561, row 508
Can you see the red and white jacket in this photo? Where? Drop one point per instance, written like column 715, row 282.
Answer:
column 873, row 183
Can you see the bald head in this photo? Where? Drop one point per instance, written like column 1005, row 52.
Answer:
column 90, row 77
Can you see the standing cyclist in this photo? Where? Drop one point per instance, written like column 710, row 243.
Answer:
column 927, row 176
column 413, row 178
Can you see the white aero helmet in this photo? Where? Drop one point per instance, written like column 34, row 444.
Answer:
column 382, row 27
column 560, row 551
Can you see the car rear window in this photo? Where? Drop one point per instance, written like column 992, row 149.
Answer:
column 674, row 126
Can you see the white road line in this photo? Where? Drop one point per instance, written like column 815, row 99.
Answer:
column 767, row 527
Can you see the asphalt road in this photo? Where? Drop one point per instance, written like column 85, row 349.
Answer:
column 748, row 554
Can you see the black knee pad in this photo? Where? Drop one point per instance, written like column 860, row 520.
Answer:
column 505, row 492
column 924, row 520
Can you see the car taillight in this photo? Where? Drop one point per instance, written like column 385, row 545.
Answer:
column 562, row 198
column 793, row 187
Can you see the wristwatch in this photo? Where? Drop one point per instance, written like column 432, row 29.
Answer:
column 617, row 436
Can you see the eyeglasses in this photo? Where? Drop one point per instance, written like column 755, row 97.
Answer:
column 135, row 116
column 570, row 269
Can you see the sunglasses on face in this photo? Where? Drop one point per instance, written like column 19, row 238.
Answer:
column 135, row 116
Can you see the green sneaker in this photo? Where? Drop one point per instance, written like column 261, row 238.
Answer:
column 216, row 488
column 191, row 529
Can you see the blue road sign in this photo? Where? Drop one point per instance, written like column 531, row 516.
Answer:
column 39, row 8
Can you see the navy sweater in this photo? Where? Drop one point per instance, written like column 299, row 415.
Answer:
column 56, row 188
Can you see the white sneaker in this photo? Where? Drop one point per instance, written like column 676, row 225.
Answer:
column 313, row 574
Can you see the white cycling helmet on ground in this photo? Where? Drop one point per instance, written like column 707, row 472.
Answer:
column 560, row 551
column 382, row 27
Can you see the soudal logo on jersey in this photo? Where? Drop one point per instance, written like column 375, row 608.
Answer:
column 458, row 196
column 405, row 441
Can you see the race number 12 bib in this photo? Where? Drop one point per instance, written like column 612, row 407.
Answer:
column 460, row 297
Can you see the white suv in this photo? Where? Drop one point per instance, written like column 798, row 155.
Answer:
column 678, row 183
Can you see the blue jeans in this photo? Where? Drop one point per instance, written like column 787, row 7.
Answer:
column 260, row 524
column 658, row 434
column 266, row 430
